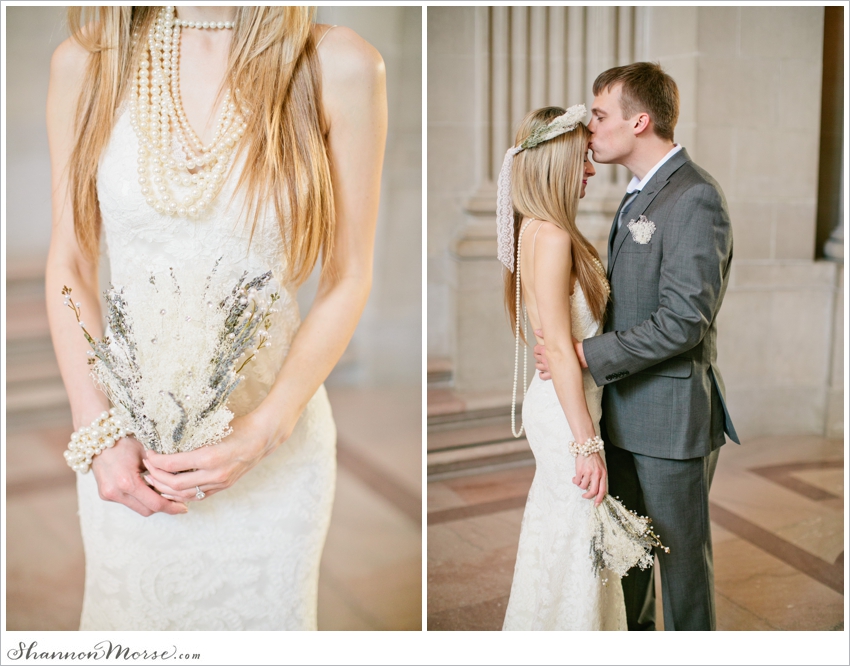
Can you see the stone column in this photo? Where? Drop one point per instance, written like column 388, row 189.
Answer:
column 834, row 247
column 834, row 251
column 525, row 58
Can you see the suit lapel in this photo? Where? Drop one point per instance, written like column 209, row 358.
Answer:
column 613, row 234
column 641, row 203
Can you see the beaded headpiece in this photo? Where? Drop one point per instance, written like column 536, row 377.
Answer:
column 504, row 204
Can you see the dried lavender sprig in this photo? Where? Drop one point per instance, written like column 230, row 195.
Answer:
column 234, row 340
column 100, row 348
column 265, row 323
column 208, row 281
column 179, row 430
column 238, row 297
column 116, row 390
column 124, row 344
column 223, row 379
column 233, row 337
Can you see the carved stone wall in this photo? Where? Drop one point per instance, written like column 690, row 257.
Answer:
column 519, row 58
column 750, row 84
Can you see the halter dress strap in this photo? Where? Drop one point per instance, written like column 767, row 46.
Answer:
column 534, row 241
column 325, row 34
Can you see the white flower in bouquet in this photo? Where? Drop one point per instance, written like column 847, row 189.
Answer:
column 172, row 355
column 621, row 539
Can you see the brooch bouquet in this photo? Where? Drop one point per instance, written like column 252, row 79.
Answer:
column 642, row 230
column 621, row 539
column 171, row 358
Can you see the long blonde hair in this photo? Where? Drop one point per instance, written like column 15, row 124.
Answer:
column 274, row 64
column 546, row 185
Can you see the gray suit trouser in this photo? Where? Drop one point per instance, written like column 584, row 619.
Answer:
column 674, row 493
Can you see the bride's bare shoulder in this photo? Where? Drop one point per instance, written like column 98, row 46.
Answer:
column 353, row 78
column 69, row 58
column 68, row 67
column 347, row 59
column 67, row 74
column 552, row 237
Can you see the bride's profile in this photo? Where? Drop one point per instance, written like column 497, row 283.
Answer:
column 206, row 144
column 555, row 282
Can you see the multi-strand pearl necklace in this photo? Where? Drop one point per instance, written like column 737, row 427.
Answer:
column 176, row 183
column 519, row 310
column 212, row 25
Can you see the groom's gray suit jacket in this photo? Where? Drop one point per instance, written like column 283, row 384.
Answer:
column 658, row 355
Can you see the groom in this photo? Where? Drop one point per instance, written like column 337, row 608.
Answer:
column 664, row 413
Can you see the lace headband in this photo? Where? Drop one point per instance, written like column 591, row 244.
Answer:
column 504, row 204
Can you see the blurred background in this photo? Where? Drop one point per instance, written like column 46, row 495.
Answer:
column 371, row 571
column 762, row 109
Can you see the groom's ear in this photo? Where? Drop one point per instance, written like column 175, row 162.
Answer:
column 641, row 123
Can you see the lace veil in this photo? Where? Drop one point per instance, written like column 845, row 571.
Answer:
column 504, row 204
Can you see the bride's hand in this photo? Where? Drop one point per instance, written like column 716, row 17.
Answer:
column 592, row 476
column 178, row 476
column 118, row 472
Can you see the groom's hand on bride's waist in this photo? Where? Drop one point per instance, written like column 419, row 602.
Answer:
column 541, row 362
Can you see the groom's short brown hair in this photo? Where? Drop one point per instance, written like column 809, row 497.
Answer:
column 646, row 87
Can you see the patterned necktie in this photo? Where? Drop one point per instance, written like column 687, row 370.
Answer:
column 625, row 209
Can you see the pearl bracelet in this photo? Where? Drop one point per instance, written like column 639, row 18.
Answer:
column 86, row 443
column 591, row 446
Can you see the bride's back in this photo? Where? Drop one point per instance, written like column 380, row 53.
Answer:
column 556, row 240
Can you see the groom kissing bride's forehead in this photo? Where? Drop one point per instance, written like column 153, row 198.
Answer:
column 664, row 406
column 633, row 104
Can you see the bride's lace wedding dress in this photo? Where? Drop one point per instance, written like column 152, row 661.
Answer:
column 554, row 587
column 246, row 558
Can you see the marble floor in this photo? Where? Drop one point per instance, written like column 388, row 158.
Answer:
column 371, row 575
column 777, row 511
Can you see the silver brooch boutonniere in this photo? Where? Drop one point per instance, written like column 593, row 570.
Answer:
column 642, row 230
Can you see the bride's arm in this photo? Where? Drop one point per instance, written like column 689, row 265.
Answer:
column 355, row 104
column 117, row 470
column 552, row 267
column 354, row 100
